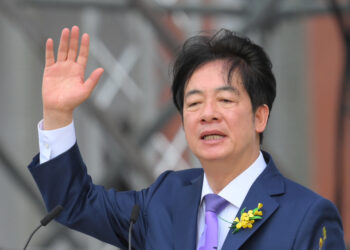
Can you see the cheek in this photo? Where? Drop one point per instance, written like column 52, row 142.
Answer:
column 185, row 123
column 241, row 123
column 188, row 121
column 189, row 126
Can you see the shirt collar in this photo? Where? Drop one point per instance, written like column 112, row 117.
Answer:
column 237, row 189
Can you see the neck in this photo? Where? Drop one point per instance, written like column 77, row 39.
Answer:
column 221, row 172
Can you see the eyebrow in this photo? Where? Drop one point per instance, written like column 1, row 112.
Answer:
column 228, row 88
column 193, row 92
column 223, row 88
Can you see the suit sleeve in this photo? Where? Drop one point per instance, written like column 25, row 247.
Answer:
column 321, row 228
column 89, row 208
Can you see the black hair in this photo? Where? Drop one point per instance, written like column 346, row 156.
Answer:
column 242, row 55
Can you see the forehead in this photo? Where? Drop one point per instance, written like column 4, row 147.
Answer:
column 213, row 75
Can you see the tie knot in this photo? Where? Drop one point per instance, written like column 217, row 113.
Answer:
column 214, row 203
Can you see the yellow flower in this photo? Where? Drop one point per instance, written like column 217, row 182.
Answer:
column 323, row 239
column 247, row 219
column 321, row 244
column 324, row 233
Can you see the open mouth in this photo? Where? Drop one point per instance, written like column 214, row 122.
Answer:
column 212, row 137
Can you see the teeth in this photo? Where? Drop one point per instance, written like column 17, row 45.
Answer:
column 212, row 137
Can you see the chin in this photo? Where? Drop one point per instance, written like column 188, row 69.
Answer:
column 210, row 156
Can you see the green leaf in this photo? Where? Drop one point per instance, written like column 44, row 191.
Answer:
column 242, row 211
column 256, row 217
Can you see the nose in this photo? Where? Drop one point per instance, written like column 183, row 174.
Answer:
column 209, row 113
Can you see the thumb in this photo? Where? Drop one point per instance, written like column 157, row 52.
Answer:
column 93, row 79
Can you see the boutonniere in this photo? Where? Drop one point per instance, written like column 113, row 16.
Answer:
column 247, row 218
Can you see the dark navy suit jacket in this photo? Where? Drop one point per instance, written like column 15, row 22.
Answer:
column 293, row 218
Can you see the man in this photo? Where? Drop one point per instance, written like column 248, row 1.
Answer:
column 224, row 89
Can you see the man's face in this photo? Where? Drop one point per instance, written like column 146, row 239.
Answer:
column 217, row 116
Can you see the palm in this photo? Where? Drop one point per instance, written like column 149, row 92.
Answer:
column 64, row 87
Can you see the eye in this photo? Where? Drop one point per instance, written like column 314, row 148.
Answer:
column 192, row 104
column 226, row 100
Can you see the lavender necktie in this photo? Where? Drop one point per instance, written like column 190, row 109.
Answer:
column 214, row 204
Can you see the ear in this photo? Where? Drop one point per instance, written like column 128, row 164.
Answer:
column 261, row 117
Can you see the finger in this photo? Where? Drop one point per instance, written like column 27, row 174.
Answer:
column 84, row 50
column 63, row 47
column 73, row 43
column 93, row 79
column 49, row 54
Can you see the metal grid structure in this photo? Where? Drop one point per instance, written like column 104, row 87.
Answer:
column 141, row 144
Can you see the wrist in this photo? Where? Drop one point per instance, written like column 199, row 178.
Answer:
column 54, row 119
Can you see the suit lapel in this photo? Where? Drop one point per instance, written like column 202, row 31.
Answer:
column 186, row 203
column 269, row 183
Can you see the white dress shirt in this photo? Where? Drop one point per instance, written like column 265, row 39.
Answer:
column 55, row 142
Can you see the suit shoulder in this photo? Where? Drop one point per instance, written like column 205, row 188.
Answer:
column 182, row 176
column 303, row 195
column 188, row 174
column 274, row 180
column 298, row 189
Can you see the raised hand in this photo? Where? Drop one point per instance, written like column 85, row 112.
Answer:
column 64, row 87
